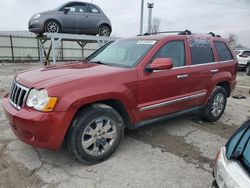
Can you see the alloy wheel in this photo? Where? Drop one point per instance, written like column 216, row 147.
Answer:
column 98, row 136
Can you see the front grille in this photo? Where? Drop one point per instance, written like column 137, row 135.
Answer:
column 18, row 94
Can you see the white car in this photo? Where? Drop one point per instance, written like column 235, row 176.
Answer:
column 243, row 57
column 232, row 165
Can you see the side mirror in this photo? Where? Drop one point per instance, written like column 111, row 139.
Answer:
column 66, row 10
column 160, row 64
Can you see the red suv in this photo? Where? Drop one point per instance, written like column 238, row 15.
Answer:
column 125, row 84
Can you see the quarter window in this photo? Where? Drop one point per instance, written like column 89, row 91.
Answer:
column 174, row 50
column 201, row 52
column 223, row 51
column 93, row 9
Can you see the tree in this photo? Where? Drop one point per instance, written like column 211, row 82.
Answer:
column 155, row 25
column 232, row 39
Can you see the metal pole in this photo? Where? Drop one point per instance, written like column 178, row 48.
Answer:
column 150, row 7
column 12, row 50
column 141, row 25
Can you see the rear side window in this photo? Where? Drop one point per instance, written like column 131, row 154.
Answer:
column 174, row 50
column 201, row 51
column 93, row 9
column 223, row 51
column 246, row 53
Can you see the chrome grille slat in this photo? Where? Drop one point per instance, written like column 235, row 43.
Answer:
column 18, row 94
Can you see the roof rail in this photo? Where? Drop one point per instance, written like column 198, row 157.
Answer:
column 186, row 32
column 213, row 34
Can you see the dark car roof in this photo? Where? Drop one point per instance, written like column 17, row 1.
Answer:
column 77, row 2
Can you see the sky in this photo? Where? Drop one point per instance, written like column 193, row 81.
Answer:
column 200, row 16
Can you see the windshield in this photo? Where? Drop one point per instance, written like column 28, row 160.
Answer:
column 246, row 157
column 238, row 146
column 125, row 53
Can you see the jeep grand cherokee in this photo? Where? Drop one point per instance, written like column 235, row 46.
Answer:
column 125, row 84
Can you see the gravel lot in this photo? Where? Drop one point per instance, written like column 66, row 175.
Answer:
column 175, row 153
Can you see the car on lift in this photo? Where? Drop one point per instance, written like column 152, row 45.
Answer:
column 232, row 164
column 72, row 17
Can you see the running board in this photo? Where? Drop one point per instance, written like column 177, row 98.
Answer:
column 163, row 118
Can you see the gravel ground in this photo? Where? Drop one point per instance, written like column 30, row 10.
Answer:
column 175, row 153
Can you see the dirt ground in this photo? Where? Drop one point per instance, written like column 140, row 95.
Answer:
column 174, row 153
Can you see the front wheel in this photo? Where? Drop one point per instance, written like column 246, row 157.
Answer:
column 95, row 133
column 216, row 105
column 52, row 26
column 248, row 69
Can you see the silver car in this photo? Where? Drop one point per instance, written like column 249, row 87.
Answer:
column 72, row 17
column 232, row 164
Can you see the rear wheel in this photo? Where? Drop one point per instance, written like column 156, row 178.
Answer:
column 216, row 105
column 104, row 30
column 52, row 26
column 248, row 69
column 95, row 133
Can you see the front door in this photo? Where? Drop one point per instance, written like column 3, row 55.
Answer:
column 166, row 91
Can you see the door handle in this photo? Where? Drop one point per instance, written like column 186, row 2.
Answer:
column 214, row 70
column 182, row 76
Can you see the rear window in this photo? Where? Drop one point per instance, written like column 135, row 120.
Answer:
column 201, row 51
column 223, row 51
column 246, row 53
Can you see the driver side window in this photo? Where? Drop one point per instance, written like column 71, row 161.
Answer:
column 174, row 50
column 77, row 7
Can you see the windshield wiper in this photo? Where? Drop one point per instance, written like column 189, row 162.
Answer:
column 97, row 62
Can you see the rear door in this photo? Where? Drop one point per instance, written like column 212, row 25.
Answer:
column 203, row 67
column 227, row 62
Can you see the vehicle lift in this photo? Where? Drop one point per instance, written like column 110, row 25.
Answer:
column 56, row 38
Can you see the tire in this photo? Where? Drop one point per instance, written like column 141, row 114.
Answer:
column 104, row 30
column 52, row 26
column 95, row 133
column 248, row 69
column 216, row 105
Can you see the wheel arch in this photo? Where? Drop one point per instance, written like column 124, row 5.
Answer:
column 226, row 86
column 114, row 103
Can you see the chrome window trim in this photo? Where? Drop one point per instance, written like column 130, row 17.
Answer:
column 227, row 61
column 186, row 66
column 202, row 64
column 153, row 106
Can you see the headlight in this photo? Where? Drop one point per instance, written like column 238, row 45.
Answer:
column 40, row 100
column 37, row 16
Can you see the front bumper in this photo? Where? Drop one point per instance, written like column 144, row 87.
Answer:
column 36, row 26
column 39, row 129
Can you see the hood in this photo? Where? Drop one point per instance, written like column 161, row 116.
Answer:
column 50, row 76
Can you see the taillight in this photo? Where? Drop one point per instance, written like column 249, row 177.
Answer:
column 242, row 55
column 218, row 156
